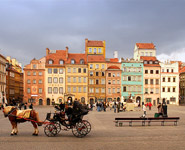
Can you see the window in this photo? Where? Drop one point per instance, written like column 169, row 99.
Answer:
column 79, row 70
column 103, row 74
column 85, row 90
column 34, row 66
column 69, row 79
column 117, row 74
column 150, row 62
column 40, row 90
column 146, row 90
column 91, row 73
column 40, row 81
column 28, row 81
column 103, row 66
column 74, row 89
column 60, row 80
column 55, row 80
column 102, row 81
column 97, row 66
column 91, row 81
column 72, row 61
column 74, row 70
column 102, row 90
column 162, row 70
column 172, row 70
column 97, row 90
column 50, row 62
column 163, row 89
column 55, row 90
column 118, row 90
column 81, row 61
column 168, row 79
column 109, row 82
column 61, row 62
column 85, row 80
column 118, row 81
column 124, row 89
column 84, row 70
column 61, row 90
column 113, row 82
column 113, row 90
column 146, row 54
column 145, row 62
column 55, row 70
column 49, row 71
column 174, row 79
column 151, row 81
column 91, row 66
column 96, row 73
column 90, row 50
column 151, row 71
column 97, row 81
column 79, row 79
column 74, row 79
column 60, row 70
column 79, row 89
column 109, row 90
column 49, row 80
column 157, row 81
column 146, row 81
column 95, row 50
column 157, row 91
column 40, row 73
column 168, row 89
column 167, row 70
column 129, row 78
column 109, row 74
column 99, row 50
column 146, row 71
column 151, row 91
column 142, row 53
column 28, row 73
column 34, row 81
column 34, row 73
column 69, row 89
column 69, row 70
column 91, row 90
column 173, row 89
column 113, row 75
column 28, row 90
column 150, row 53
column 49, row 90
column 157, row 71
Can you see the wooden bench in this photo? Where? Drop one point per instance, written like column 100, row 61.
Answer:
column 120, row 121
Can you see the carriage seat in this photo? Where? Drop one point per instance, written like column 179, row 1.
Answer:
column 23, row 113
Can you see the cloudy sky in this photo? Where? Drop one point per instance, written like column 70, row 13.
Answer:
column 27, row 27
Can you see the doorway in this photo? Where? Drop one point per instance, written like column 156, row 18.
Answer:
column 40, row 102
column 48, row 101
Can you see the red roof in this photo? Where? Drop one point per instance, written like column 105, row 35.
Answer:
column 77, row 58
column 56, row 57
column 145, row 45
column 95, row 43
column 114, row 60
column 113, row 67
column 150, row 58
column 182, row 70
column 96, row 58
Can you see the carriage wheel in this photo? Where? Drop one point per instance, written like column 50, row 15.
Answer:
column 88, row 125
column 50, row 130
column 80, row 130
column 58, row 126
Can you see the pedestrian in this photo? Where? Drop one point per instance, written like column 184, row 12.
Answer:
column 160, row 110
column 104, row 106
column 31, row 106
column 150, row 106
column 115, row 106
column 144, row 111
column 110, row 105
column 118, row 107
column 25, row 106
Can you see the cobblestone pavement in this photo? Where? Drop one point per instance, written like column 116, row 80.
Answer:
column 104, row 134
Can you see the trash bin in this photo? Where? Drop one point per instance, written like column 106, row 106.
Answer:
column 156, row 115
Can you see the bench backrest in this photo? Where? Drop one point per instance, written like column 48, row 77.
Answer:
column 150, row 118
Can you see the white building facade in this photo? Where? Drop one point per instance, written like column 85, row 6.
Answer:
column 170, row 82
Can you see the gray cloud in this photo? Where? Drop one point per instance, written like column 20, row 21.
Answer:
column 28, row 27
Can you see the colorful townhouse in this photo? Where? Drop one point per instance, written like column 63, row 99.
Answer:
column 170, row 82
column 34, row 82
column 113, row 80
column 132, row 80
column 55, row 75
column 76, row 77
column 3, row 62
column 182, row 86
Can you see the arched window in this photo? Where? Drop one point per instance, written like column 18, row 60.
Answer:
column 72, row 61
column 50, row 61
column 81, row 61
column 61, row 62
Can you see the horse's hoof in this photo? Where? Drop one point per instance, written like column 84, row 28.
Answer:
column 15, row 133
column 11, row 134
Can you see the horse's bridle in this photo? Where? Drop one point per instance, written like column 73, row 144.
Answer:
column 11, row 111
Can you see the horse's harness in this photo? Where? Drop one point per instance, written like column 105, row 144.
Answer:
column 11, row 111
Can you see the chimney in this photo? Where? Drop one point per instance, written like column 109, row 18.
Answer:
column 67, row 52
column 47, row 51
column 86, row 50
column 115, row 54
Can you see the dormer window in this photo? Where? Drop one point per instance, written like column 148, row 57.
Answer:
column 156, row 62
column 145, row 62
column 99, row 50
column 81, row 61
column 72, row 61
column 90, row 50
column 61, row 62
column 95, row 50
column 151, row 62
column 50, row 62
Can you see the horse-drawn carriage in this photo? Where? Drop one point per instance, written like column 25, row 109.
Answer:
column 58, row 122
